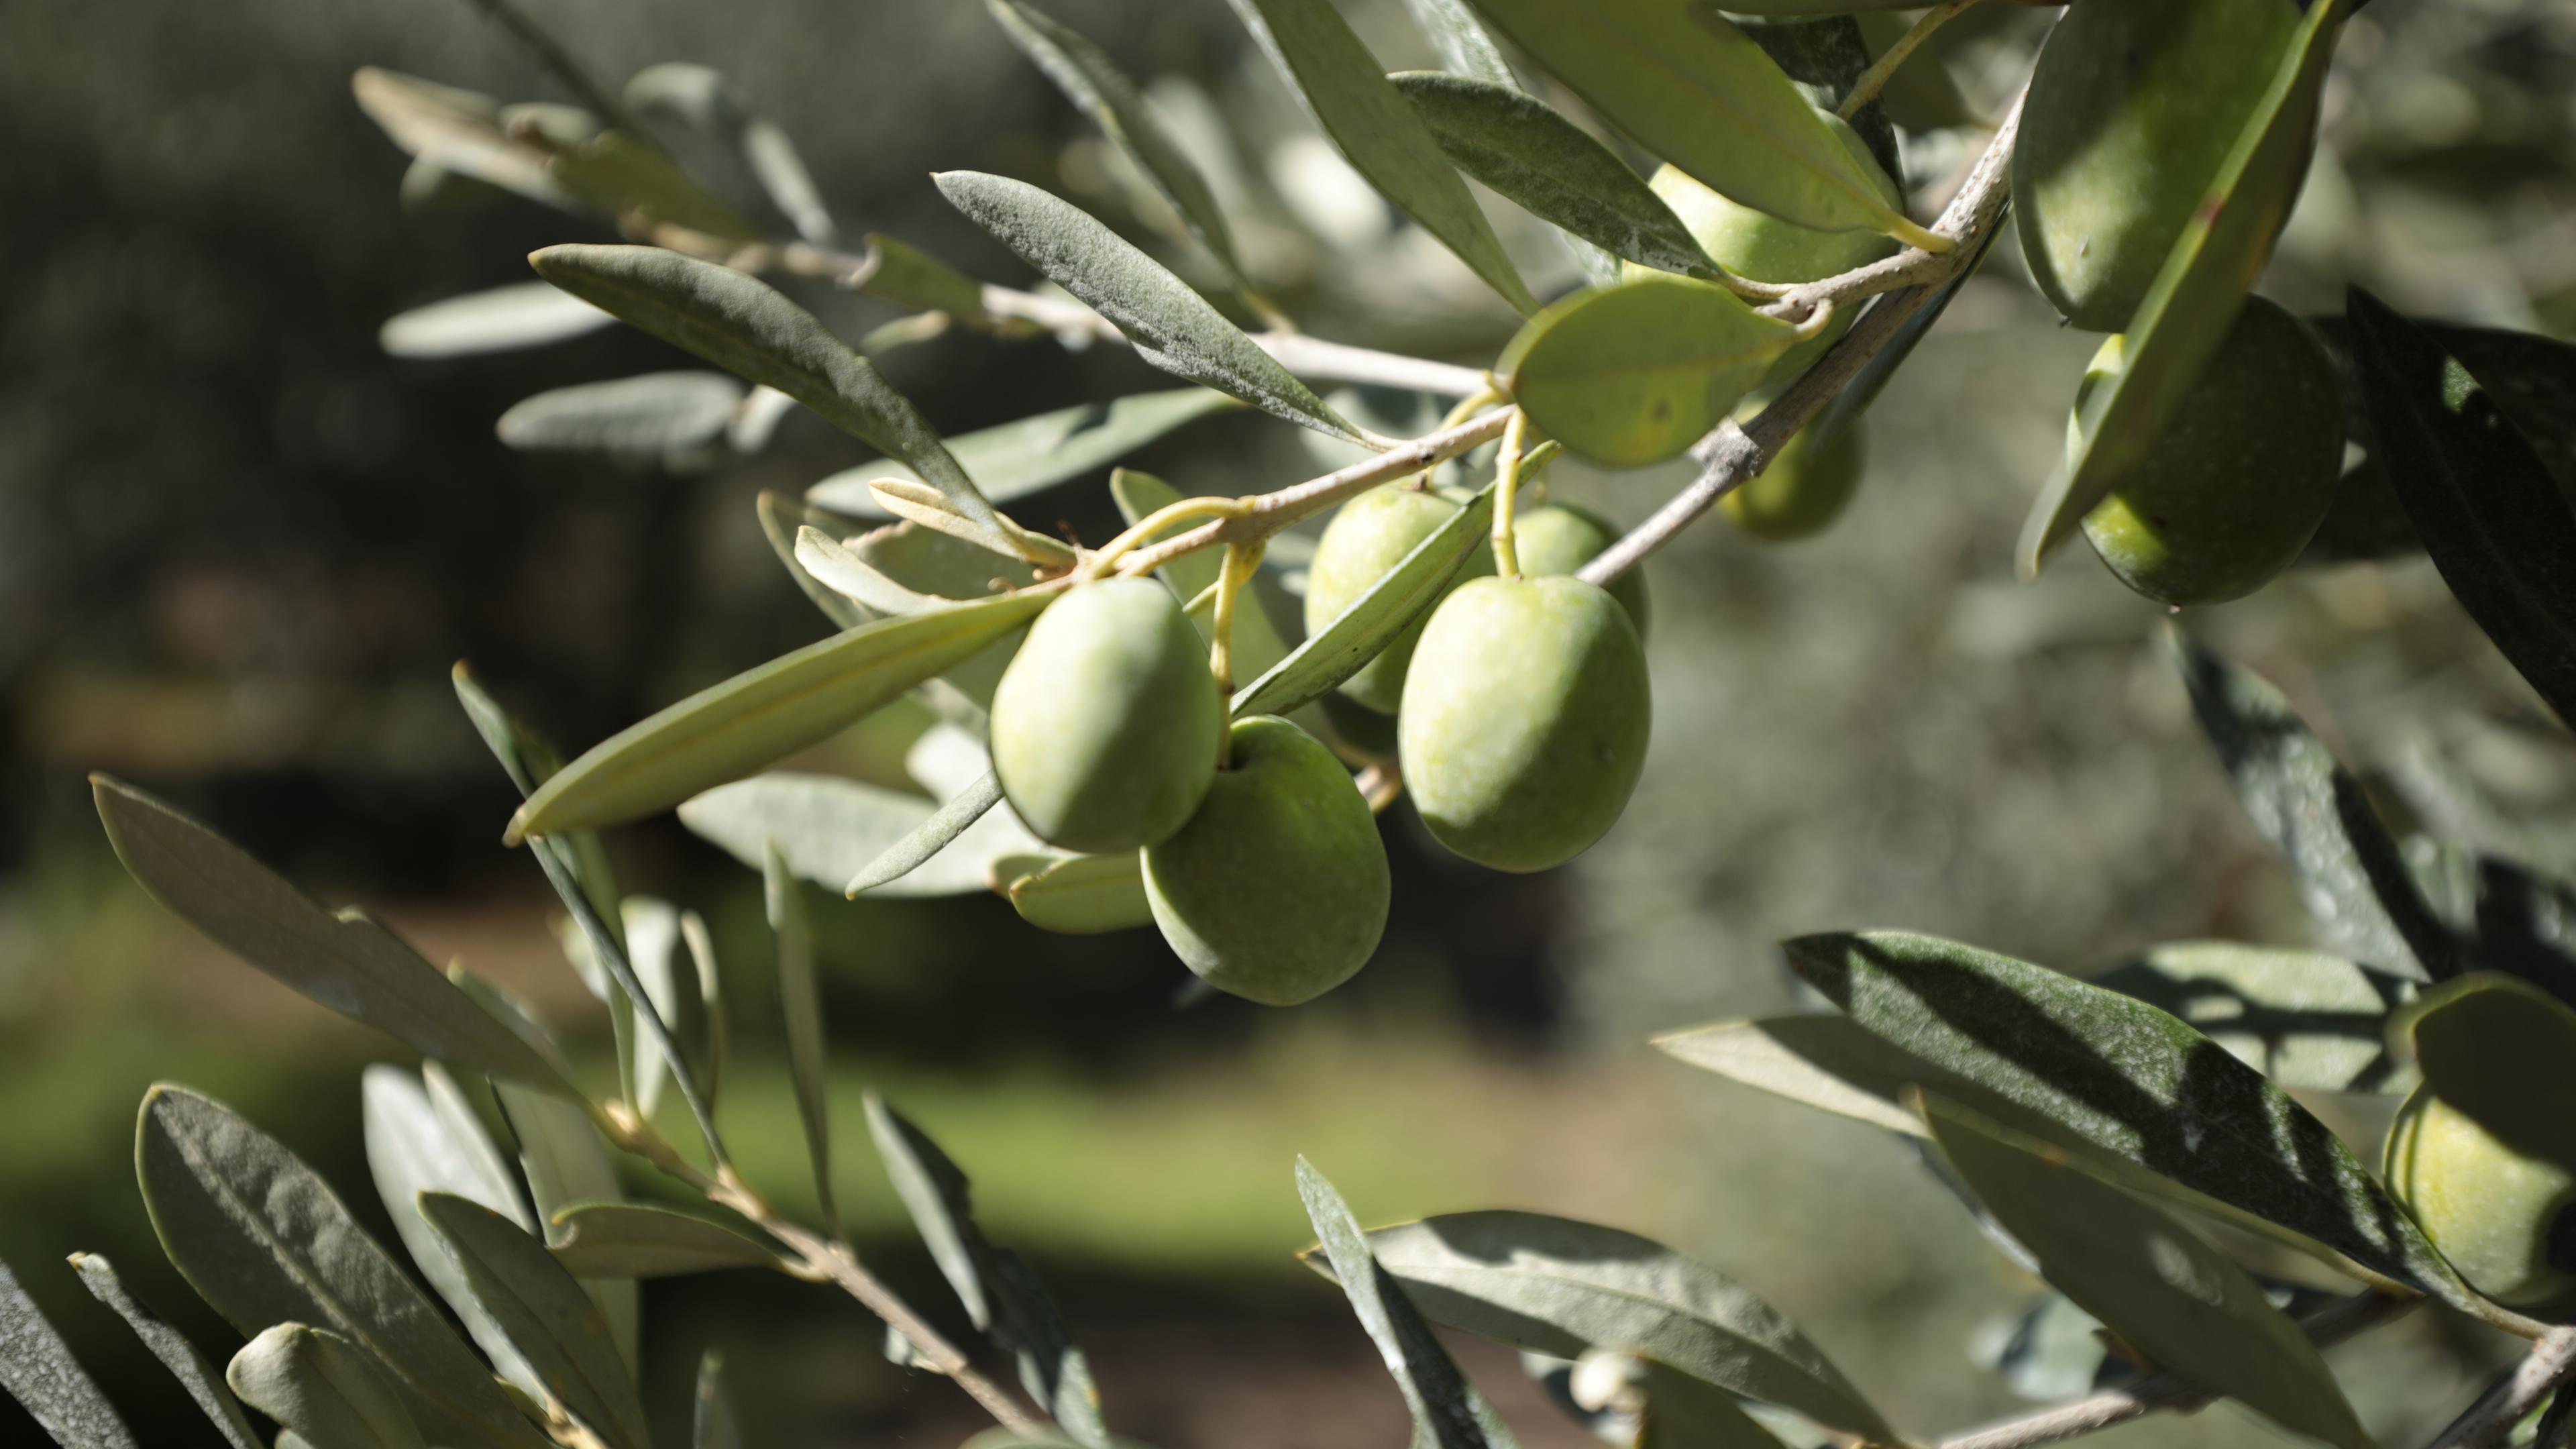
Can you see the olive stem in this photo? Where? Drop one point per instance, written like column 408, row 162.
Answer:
column 1869, row 83
column 1507, row 486
column 1178, row 511
column 2508, row 1399
column 1240, row 560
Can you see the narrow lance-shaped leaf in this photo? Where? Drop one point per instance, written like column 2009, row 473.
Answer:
column 1561, row 1287
column 904, row 275
column 706, row 102
column 639, row 1240
column 1079, row 895
column 671, row 985
column 1347, row 92
column 839, row 568
column 565, row 1162
column 674, row 419
column 943, row 828
column 503, row 319
column 1171, row 326
column 2197, row 294
column 322, row 1388
column 1635, row 373
column 732, row 729
column 2153, row 1281
column 1524, row 149
column 718, row 1427
column 2302, row 1018
column 1019, row 458
column 749, row 328
column 1699, row 93
column 1448, row 1412
column 554, row 1325
column 1823, row 55
column 344, row 960
column 38, row 1370
column 782, row 518
column 1823, row 1061
column 800, row 1005
column 830, row 829
column 264, row 1240
column 2494, row 521
column 2116, row 1076
column 1461, row 41
column 191, row 1368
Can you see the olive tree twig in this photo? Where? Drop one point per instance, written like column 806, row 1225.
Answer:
column 2551, row 1360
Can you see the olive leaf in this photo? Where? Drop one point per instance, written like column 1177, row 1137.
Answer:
column 1682, row 1412
column 38, row 1370
column 1171, row 326
column 264, row 1240
column 1561, row 1287
column 345, row 960
column 717, row 1425
column 782, row 520
column 1817, row 7
column 1093, row 82
column 1695, row 90
column 639, row 1240
column 2129, row 1083
column 548, row 1318
column 1527, row 152
column 1019, row 458
column 2197, row 294
column 2305, row 1019
column 1448, row 1412
column 1079, row 895
column 839, row 568
column 2495, row 521
column 323, row 1388
column 1346, row 91
column 905, row 275
column 1823, row 1061
column 749, row 328
column 1461, row 41
column 999, row 1291
column 831, row 829
column 2151, row 1279
column 503, row 319
column 704, row 101
column 728, row 731
column 676, row 419
column 458, row 131
column 800, row 1008
column 565, row 1162
column 1635, row 373
column 670, row 954
column 195, row 1374
column 1823, row 55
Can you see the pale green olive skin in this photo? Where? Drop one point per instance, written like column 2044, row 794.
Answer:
column 1525, row 720
column 1277, row 889
column 2133, row 106
column 2238, row 483
column 1559, row 538
column 1803, row 491
column 1106, row 727
column 2505, row 1220
column 1369, row 536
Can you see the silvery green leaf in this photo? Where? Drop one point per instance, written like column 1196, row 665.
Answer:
column 265, row 1241
column 1019, row 458
column 782, row 517
column 800, row 1004
column 1346, row 91
column 2305, row 1019
column 38, row 1370
column 718, row 1427
column 1823, row 1061
column 749, row 328
column 503, row 319
column 938, row 833
column 706, row 981
column 344, row 960
column 565, row 1162
column 1448, row 1412
column 554, row 1325
column 839, row 568
column 676, row 419
column 413, row 1147
column 325, row 1389
column 640, row 1240
column 190, row 1367
column 1461, row 41
column 704, row 101
column 830, row 829
column 673, row 983
column 1170, row 325
column 1561, row 1287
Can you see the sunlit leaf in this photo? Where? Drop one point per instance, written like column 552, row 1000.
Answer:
column 1634, row 374
column 186, row 1364
column 938, row 833
column 638, row 1240
column 1019, row 458
column 677, row 419
column 2302, row 1018
column 2470, row 1036
column 782, row 518
column 830, row 829
column 522, row 314
column 321, row 1388
column 413, row 1147
column 552, row 1323
column 38, row 1370
column 565, row 1162
column 1822, row 1061
column 674, row 975
column 1461, row 41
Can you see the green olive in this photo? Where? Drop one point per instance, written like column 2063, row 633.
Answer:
column 2231, row 492
column 1802, row 491
column 1559, row 538
column 1106, row 726
column 1525, row 720
column 1369, row 536
column 2505, row 1220
column 1277, row 889
column 2132, row 108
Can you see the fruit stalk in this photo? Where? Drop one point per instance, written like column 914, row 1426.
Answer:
column 1507, row 487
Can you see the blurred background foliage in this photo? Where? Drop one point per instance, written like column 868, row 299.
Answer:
column 240, row 547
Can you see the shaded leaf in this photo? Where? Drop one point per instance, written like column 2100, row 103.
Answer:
column 2154, row 1281
column 1257, row 643
column 457, row 131
column 1561, row 1287
column 565, row 1162
column 1036, row 453
column 554, row 1325
column 1082, row 895
column 800, row 1006
column 703, row 100
column 264, row 1241
column 2302, row 1018
column 1448, row 1413
column 637, row 1240
column 718, row 1427
column 1829, row 1062
column 1170, row 325
column 191, row 1368
column 38, row 1370
column 1347, row 92
column 1635, row 373
column 905, row 275
column 323, row 1388
column 1824, row 54
column 344, row 960
column 677, row 419
column 522, row 314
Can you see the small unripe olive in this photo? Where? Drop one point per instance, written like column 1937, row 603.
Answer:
column 1560, row 538
column 2237, row 483
column 1369, row 536
column 1525, row 720
column 1277, row 888
column 1106, row 726
column 2507, row 1221
column 2133, row 106
column 1803, row 490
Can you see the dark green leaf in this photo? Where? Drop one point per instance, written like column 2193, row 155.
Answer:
column 523, row 314
column 190, row 1367
column 1460, row 39
column 323, row 1388
column 675, row 419
column 38, row 1370
column 1635, row 373
column 800, row 1005
column 637, row 1240
column 2302, row 1018
column 552, row 1323
column 1824, row 55
column 1017, row 459
column 342, row 959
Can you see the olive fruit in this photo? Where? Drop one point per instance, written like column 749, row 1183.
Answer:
column 2505, row 1220
column 1559, row 538
column 1525, row 720
column 2234, row 488
column 1277, row 889
column 2133, row 107
column 1106, row 726
column 1802, row 491
column 1370, row 535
